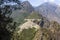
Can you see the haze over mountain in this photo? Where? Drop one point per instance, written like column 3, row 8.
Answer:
column 47, row 9
column 50, row 11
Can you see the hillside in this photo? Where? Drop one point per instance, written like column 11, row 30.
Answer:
column 26, row 32
column 32, row 31
column 27, row 6
column 34, row 15
column 19, row 15
column 30, row 23
column 46, row 28
column 50, row 11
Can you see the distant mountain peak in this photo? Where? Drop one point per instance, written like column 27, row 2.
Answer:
column 49, row 3
column 50, row 11
column 27, row 6
column 26, row 2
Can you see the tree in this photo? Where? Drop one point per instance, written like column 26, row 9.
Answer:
column 1, row 1
column 5, row 19
column 7, row 26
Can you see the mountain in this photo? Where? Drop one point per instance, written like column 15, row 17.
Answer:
column 7, row 1
column 15, row 4
column 20, row 14
column 27, row 6
column 50, row 11
column 34, row 15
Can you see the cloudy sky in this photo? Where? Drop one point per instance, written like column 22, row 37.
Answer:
column 38, row 2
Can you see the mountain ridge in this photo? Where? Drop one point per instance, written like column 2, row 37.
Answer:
column 49, row 11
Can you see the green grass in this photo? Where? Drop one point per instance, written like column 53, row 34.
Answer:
column 27, row 34
column 34, row 15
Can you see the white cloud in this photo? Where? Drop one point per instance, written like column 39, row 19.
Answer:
column 51, row 0
column 45, row 0
column 48, row 0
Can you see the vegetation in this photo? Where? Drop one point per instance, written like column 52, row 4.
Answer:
column 5, row 21
column 51, row 33
column 34, row 15
column 26, row 34
column 19, row 16
column 46, row 34
column 7, row 26
column 9, row 23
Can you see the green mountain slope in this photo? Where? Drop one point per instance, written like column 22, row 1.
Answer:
column 34, row 15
